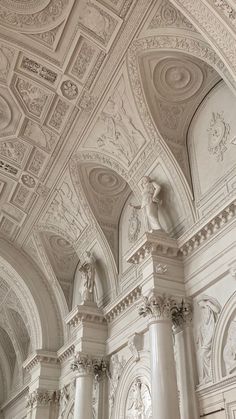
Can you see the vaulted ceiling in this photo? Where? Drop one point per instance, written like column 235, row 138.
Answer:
column 75, row 137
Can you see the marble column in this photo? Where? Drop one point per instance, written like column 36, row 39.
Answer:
column 87, row 369
column 182, row 319
column 158, row 309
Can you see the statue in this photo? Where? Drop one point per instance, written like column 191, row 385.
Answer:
column 88, row 270
column 210, row 309
column 150, row 203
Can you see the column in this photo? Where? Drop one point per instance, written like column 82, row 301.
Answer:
column 159, row 308
column 87, row 370
column 182, row 319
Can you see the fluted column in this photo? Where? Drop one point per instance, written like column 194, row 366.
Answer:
column 182, row 319
column 87, row 370
column 158, row 309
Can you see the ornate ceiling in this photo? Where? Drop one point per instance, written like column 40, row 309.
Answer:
column 91, row 93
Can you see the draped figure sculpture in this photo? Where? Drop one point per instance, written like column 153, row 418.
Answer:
column 150, row 203
column 88, row 270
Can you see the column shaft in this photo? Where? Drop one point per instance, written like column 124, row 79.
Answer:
column 185, row 362
column 164, row 384
column 84, row 396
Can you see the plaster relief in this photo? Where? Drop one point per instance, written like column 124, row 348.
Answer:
column 59, row 115
column 97, row 20
column 65, row 212
column 39, row 135
column 33, row 97
column 209, row 310
column 6, row 57
column 116, row 131
column 13, row 150
column 138, row 403
column 218, row 134
column 229, row 351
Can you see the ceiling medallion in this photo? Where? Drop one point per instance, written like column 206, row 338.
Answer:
column 177, row 79
column 218, row 133
column 69, row 89
column 106, row 181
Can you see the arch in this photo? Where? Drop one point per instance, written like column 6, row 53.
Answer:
column 30, row 287
column 227, row 314
column 132, row 370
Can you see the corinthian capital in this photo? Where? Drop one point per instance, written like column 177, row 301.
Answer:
column 182, row 314
column 86, row 364
column 158, row 306
column 41, row 398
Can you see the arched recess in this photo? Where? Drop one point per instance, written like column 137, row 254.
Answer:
column 170, row 43
column 133, row 370
column 29, row 285
column 95, row 233
column 213, row 22
column 220, row 337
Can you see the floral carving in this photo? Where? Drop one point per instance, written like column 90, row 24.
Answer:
column 69, row 89
column 59, row 114
column 158, row 306
column 86, row 364
column 168, row 15
column 218, row 134
column 83, row 60
column 28, row 180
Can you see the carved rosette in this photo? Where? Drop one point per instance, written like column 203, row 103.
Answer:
column 84, row 364
column 159, row 307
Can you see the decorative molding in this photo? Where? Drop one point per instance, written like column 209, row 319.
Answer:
column 123, row 304
column 156, row 243
column 42, row 398
column 88, row 312
column 135, row 345
column 188, row 243
column 67, row 351
column 39, row 357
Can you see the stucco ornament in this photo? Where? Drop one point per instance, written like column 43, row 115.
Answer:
column 116, row 369
column 150, row 203
column 218, row 133
column 229, row 352
column 138, row 405
column 158, row 306
column 134, row 226
column 209, row 311
column 88, row 270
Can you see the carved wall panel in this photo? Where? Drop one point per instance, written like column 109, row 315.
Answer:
column 98, row 21
column 59, row 115
column 32, row 98
column 38, row 135
column 6, row 58
column 139, row 401
column 37, row 70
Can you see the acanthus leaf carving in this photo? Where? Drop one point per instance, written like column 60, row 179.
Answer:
column 158, row 306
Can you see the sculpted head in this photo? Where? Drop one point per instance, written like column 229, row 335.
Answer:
column 145, row 181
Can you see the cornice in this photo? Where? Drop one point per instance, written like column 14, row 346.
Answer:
column 122, row 304
column 38, row 357
column 66, row 352
column 202, row 231
column 88, row 312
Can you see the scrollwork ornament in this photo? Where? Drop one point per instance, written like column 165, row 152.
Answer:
column 158, row 307
column 218, row 133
